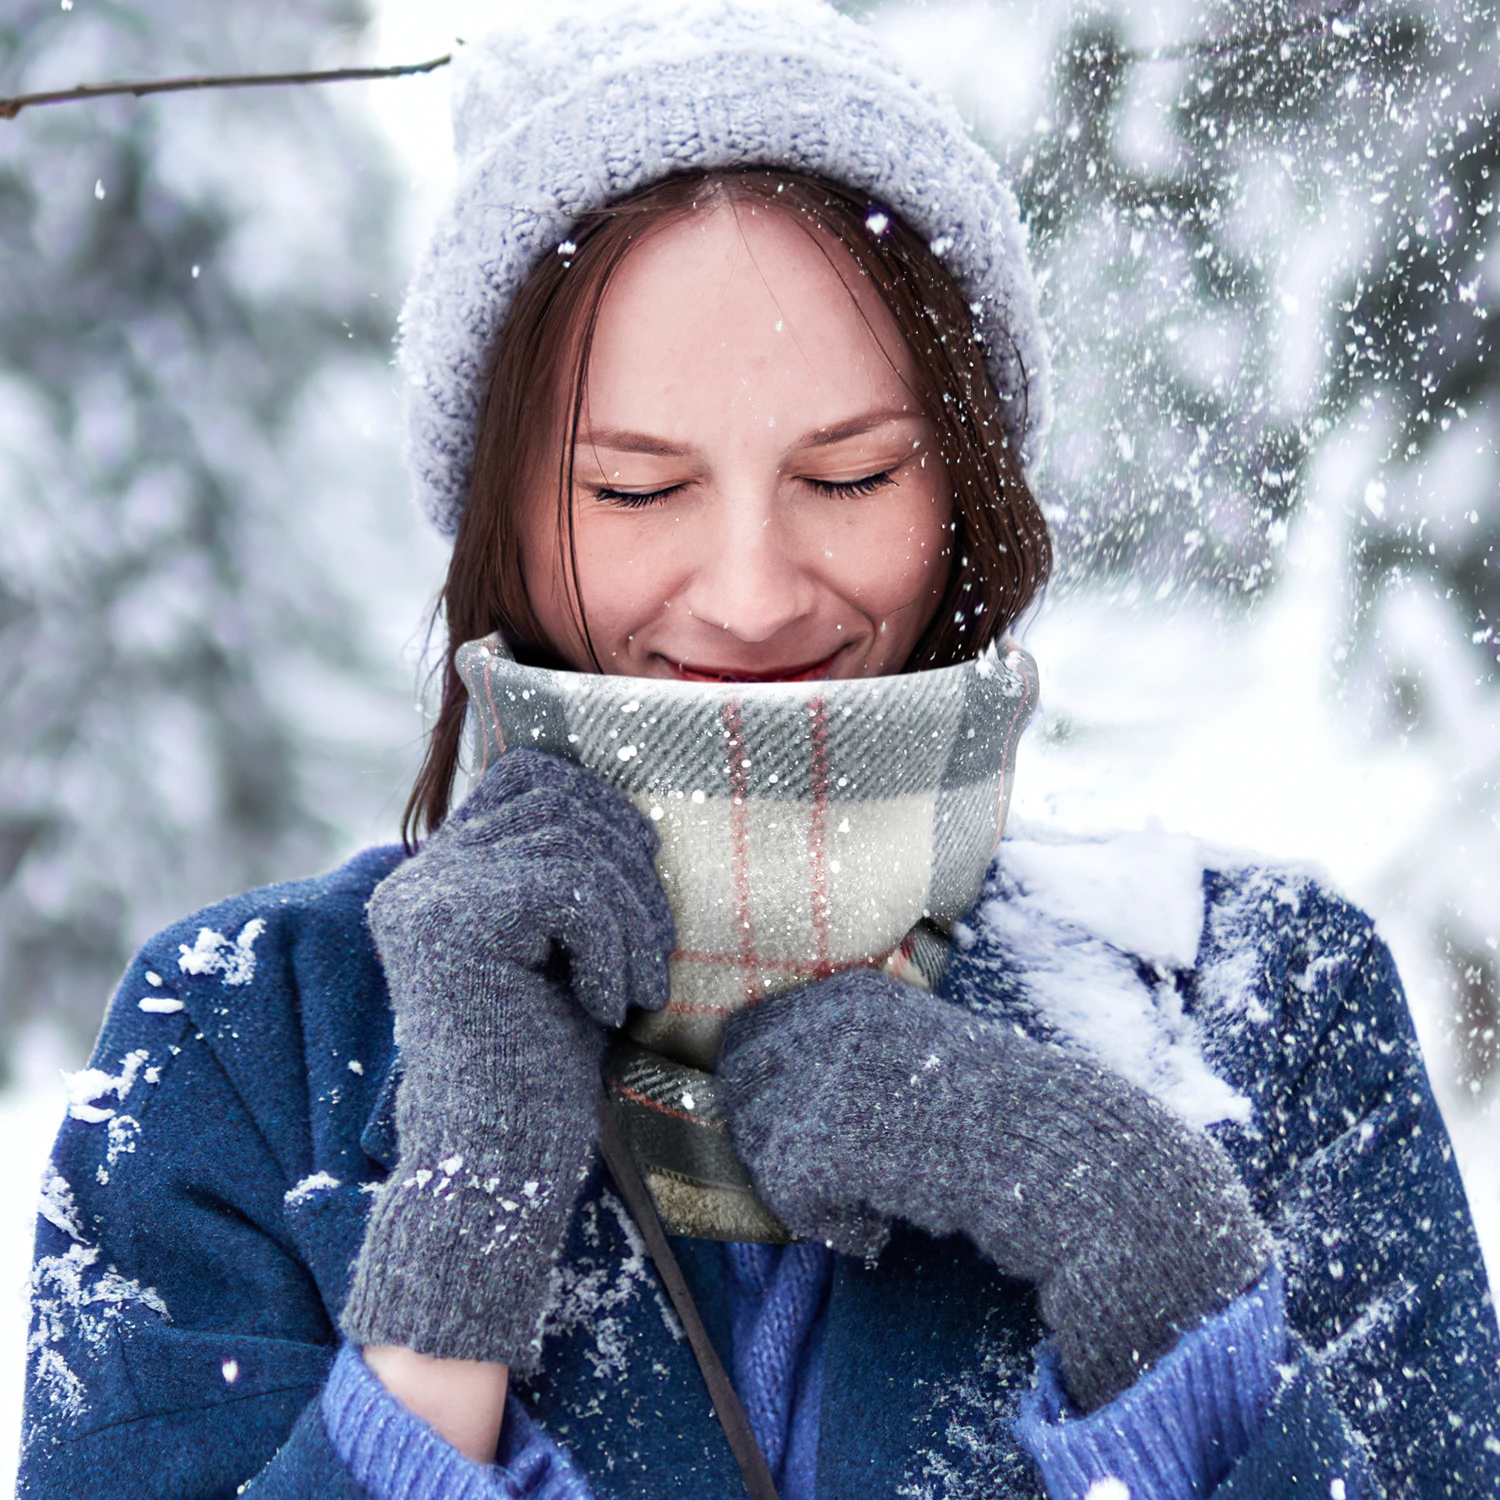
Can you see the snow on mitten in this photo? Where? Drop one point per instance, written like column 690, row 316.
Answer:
column 528, row 922
column 858, row 1100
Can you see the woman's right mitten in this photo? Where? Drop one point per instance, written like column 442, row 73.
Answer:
column 529, row 921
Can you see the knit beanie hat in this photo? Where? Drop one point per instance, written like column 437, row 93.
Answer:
column 591, row 100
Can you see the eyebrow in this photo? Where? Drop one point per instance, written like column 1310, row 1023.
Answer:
column 624, row 440
column 826, row 437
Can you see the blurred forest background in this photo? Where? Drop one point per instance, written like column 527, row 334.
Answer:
column 1262, row 233
column 203, row 524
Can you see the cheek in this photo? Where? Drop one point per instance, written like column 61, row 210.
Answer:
column 627, row 563
column 543, row 571
column 894, row 552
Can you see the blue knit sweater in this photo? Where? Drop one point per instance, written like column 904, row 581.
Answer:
column 1172, row 1436
column 204, row 1205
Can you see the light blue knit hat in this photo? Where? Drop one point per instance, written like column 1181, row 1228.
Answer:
column 595, row 99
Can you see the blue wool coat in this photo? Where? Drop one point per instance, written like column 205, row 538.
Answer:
column 208, row 1194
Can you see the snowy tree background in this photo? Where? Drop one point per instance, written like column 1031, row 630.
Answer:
column 196, row 308
column 210, row 576
column 1262, row 234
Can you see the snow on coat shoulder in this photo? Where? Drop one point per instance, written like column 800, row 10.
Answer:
column 1084, row 940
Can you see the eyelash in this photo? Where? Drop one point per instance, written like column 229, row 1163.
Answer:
column 851, row 489
column 628, row 500
column 848, row 489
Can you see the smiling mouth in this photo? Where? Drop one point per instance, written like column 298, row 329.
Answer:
column 810, row 672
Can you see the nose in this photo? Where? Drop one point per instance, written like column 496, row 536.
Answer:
column 748, row 578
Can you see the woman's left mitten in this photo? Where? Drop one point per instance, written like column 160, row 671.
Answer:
column 858, row 1101
column 530, row 920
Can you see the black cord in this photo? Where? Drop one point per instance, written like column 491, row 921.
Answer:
column 731, row 1414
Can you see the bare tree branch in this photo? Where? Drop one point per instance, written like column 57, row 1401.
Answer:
column 10, row 108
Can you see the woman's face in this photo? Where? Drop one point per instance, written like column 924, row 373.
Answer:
column 757, row 495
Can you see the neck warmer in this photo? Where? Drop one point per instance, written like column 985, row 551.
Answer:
column 806, row 827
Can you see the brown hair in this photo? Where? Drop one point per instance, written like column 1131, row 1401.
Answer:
column 1000, row 553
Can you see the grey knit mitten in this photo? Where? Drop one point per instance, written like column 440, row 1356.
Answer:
column 858, row 1101
column 529, row 921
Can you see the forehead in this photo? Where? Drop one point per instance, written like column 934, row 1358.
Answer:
column 744, row 297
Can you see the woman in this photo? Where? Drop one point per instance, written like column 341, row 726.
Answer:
column 724, row 367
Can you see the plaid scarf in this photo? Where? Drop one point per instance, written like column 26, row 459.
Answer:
column 805, row 827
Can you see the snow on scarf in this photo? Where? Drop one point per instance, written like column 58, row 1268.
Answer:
column 805, row 828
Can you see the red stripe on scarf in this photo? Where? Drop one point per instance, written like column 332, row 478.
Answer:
column 757, row 964
column 646, row 1102
column 489, row 697
column 739, row 835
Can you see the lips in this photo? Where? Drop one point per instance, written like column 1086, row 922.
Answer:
column 805, row 672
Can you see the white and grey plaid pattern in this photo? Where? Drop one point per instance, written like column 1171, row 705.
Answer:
column 805, row 826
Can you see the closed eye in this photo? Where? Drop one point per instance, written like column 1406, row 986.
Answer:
column 636, row 499
column 851, row 489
